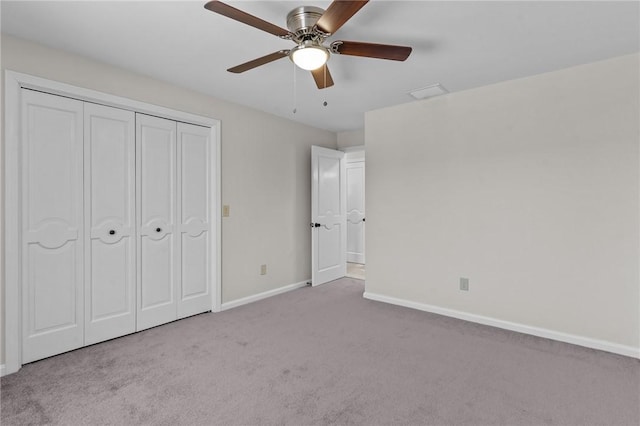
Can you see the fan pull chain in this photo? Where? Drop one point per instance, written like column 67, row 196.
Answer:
column 325, row 82
column 295, row 92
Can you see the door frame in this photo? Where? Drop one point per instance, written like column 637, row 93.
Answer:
column 14, row 82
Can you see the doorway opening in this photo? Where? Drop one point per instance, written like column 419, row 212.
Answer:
column 337, row 214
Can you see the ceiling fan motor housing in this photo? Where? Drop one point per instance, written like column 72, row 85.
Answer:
column 301, row 21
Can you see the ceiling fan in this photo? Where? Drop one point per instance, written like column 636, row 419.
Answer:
column 309, row 27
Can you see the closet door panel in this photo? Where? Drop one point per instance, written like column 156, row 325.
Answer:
column 158, row 270
column 156, row 263
column 110, row 289
column 194, row 217
column 52, row 221
column 110, row 223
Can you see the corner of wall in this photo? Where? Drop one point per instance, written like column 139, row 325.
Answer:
column 350, row 139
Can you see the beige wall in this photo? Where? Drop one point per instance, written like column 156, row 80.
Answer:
column 350, row 138
column 266, row 166
column 529, row 188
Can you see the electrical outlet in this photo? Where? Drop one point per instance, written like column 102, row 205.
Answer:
column 464, row 284
column 263, row 269
column 225, row 210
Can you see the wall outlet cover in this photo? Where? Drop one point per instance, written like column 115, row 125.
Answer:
column 464, row 284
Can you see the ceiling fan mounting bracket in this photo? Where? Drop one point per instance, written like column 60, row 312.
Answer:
column 321, row 33
column 335, row 46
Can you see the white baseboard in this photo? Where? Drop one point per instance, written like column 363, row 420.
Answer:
column 263, row 295
column 3, row 370
column 507, row 325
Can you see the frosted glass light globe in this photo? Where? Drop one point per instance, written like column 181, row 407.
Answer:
column 309, row 56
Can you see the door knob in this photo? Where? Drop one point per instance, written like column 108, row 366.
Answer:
column 158, row 229
column 363, row 219
column 112, row 232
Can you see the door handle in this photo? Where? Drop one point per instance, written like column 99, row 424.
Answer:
column 363, row 219
column 315, row 225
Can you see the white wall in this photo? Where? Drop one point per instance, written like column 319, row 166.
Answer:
column 350, row 139
column 266, row 166
column 530, row 188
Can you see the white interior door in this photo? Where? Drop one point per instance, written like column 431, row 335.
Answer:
column 355, row 211
column 109, row 150
column 194, row 219
column 52, row 225
column 158, row 269
column 328, row 215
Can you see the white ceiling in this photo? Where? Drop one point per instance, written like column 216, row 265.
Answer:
column 458, row 44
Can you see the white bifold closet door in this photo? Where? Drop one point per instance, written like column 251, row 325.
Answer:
column 109, row 184
column 158, row 272
column 52, row 225
column 174, row 229
column 116, row 222
column 194, row 219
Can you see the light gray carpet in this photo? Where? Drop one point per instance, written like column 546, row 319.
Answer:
column 325, row 355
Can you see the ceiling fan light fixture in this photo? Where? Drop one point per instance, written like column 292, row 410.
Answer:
column 309, row 55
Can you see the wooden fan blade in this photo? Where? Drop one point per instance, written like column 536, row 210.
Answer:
column 337, row 14
column 240, row 16
column 371, row 50
column 322, row 76
column 260, row 61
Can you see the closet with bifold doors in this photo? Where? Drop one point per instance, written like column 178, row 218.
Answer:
column 116, row 222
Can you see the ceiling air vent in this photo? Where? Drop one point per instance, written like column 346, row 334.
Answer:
column 429, row 91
